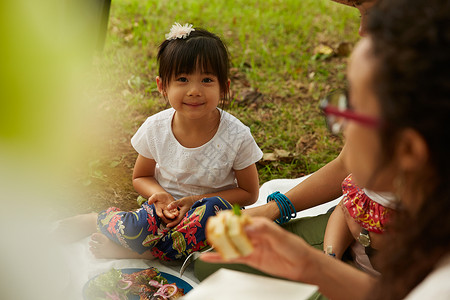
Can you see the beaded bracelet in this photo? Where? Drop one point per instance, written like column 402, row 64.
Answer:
column 287, row 209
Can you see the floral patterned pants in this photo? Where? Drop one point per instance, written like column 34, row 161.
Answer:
column 143, row 230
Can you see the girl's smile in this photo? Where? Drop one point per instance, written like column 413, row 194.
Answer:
column 193, row 104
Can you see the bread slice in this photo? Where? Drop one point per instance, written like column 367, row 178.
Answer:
column 235, row 230
column 225, row 232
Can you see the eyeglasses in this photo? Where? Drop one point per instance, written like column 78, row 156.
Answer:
column 335, row 106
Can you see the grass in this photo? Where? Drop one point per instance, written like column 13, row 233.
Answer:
column 278, row 76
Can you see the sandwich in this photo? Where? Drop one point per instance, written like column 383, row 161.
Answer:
column 225, row 232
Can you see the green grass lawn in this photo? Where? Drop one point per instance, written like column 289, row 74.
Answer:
column 278, row 76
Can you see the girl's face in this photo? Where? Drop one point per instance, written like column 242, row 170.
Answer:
column 194, row 96
column 363, row 149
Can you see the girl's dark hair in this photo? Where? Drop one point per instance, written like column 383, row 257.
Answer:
column 411, row 47
column 201, row 49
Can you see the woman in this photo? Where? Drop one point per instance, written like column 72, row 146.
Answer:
column 397, row 79
column 321, row 187
column 328, row 179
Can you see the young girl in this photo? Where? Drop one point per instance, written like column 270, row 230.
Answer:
column 359, row 207
column 194, row 158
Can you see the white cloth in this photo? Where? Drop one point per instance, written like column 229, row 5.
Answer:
column 83, row 266
column 206, row 169
column 385, row 199
column 228, row 284
column 283, row 186
column 436, row 285
column 362, row 260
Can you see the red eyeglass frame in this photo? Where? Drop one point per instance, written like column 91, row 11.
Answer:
column 350, row 115
column 347, row 114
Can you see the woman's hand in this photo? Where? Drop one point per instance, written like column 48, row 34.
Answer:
column 269, row 210
column 283, row 254
column 276, row 251
column 178, row 209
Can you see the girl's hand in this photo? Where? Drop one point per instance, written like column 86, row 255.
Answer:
column 276, row 251
column 161, row 201
column 182, row 206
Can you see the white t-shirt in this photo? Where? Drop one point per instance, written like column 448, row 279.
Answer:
column 206, row 169
column 436, row 285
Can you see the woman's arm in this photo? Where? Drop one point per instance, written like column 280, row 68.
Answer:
column 322, row 186
column 283, row 254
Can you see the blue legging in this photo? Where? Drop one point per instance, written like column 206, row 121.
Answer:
column 143, row 230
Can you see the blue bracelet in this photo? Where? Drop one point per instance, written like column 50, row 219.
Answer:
column 287, row 209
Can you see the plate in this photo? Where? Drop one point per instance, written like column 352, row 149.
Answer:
column 170, row 278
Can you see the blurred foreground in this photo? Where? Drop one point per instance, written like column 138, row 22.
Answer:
column 47, row 47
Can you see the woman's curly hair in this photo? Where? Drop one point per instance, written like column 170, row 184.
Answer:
column 411, row 47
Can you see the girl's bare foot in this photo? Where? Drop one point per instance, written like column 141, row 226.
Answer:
column 102, row 247
column 72, row 229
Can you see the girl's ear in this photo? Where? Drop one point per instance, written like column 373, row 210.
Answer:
column 412, row 151
column 159, row 85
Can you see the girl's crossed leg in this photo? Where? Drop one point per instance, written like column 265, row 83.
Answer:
column 141, row 234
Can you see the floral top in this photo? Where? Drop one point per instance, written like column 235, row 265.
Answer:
column 368, row 213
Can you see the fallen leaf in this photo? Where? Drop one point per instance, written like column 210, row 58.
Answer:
column 269, row 157
column 323, row 49
column 282, row 153
column 322, row 52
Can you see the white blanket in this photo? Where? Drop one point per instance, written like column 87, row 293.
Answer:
column 84, row 266
column 228, row 284
column 284, row 185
